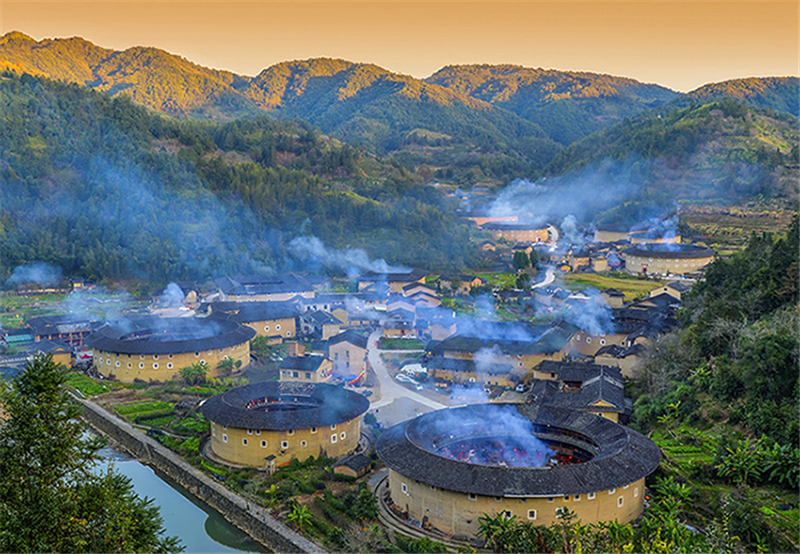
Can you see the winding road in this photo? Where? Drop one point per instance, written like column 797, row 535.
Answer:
column 391, row 389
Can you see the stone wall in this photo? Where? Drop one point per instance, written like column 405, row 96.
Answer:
column 252, row 519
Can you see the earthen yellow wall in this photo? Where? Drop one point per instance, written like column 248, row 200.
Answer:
column 626, row 365
column 523, row 235
column 276, row 297
column 322, row 374
column 165, row 367
column 637, row 264
column 228, row 443
column 610, row 236
column 283, row 328
column 357, row 359
column 588, row 344
column 456, row 513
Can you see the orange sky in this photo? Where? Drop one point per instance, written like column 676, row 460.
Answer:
column 678, row 44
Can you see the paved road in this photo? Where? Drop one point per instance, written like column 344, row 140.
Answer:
column 549, row 277
column 391, row 389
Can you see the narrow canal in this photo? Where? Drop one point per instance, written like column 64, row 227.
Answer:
column 199, row 527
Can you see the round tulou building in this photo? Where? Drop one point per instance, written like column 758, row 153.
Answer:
column 271, row 423
column 667, row 258
column 450, row 467
column 155, row 349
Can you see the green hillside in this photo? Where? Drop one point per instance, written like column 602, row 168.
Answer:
column 718, row 152
column 781, row 94
column 151, row 77
column 106, row 190
column 568, row 105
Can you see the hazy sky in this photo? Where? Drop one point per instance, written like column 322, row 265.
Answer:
column 678, row 44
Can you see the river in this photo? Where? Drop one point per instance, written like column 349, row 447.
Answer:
column 183, row 514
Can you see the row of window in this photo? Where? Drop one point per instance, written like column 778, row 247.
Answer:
column 258, row 431
column 141, row 364
column 577, row 497
column 285, row 444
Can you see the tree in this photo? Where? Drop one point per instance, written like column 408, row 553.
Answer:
column 299, row 516
column 194, row 374
column 51, row 497
column 521, row 260
column 229, row 365
column 366, row 505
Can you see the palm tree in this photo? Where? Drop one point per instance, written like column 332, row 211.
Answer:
column 229, row 365
column 299, row 516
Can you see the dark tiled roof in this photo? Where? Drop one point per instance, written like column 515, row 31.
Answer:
column 681, row 251
column 261, row 284
column 51, row 346
column 620, row 352
column 412, row 286
column 546, row 343
column 208, row 333
column 621, row 455
column 678, row 286
column 56, row 324
column 356, row 462
column 349, row 336
column 413, row 275
column 328, row 405
column 302, row 363
column 578, row 372
column 246, row 312
column 452, row 364
column 322, row 318
column 600, row 389
column 613, row 292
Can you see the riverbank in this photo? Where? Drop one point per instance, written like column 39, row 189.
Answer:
column 252, row 519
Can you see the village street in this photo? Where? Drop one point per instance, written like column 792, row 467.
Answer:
column 396, row 403
column 549, row 277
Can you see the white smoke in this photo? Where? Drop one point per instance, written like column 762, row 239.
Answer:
column 39, row 273
column 353, row 261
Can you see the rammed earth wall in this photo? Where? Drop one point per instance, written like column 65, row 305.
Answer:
column 250, row 518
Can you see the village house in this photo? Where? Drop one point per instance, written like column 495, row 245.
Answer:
column 517, row 232
column 72, row 329
column 355, row 466
column 594, row 389
column 262, row 288
column 395, row 281
column 277, row 321
column 299, row 366
column 348, row 353
column 320, row 325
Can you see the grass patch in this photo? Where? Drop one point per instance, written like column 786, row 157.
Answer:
column 631, row 286
column 400, row 344
column 87, row 385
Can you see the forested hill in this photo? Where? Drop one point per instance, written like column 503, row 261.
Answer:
column 103, row 188
column 781, row 94
column 568, row 105
column 722, row 151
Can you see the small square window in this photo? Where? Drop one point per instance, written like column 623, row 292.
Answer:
column 334, row 437
column 577, row 497
column 263, row 444
column 244, row 442
column 619, row 502
column 333, row 427
column 342, row 435
column 303, row 444
column 313, row 430
column 169, row 365
column 531, row 514
column 636, row 492
column 566, row 498
column 258, row 431
column 551, row 499
column 249, row 431
column 284, row 444
column 473, row 496
column 224, row 438
column 290, row 432
column 404, row 488
column 590, row 496
column 611, row 491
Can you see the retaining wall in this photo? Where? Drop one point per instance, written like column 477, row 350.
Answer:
column 250, row 518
